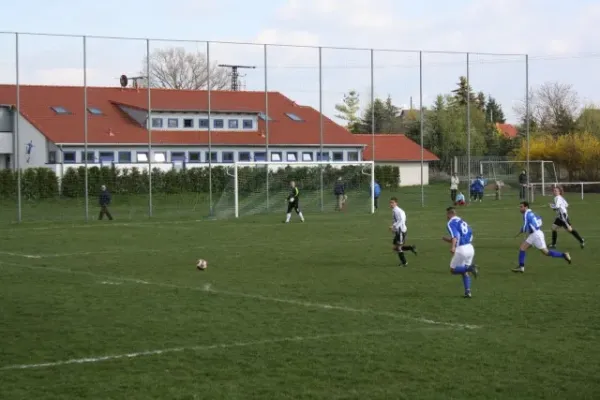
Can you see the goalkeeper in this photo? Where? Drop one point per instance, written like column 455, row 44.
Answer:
column 293, row 201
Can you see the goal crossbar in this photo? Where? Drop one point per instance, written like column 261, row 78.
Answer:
column 542, row 171
column 368, row 169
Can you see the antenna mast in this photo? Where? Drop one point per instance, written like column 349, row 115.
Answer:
column 235, row 75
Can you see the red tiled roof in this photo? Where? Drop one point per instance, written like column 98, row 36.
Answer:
column 508, row 130
column 393, row 147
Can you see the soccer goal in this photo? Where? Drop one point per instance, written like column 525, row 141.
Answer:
column 262, row 187
column 542, row 173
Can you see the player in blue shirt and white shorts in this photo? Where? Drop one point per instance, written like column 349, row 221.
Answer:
column 461, row 239
column 532, row 226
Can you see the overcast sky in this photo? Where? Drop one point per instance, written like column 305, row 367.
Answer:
column 561, row 38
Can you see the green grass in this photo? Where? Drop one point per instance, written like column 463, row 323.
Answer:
column 318, row 310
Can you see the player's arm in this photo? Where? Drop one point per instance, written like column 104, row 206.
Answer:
column 525, row 223
column 397, row 221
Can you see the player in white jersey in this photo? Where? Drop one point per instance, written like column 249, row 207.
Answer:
column 399, row 228
column 562, row 220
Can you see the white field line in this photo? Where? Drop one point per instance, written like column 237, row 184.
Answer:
column 291, row 339
column 208, row 289
column 6, row 253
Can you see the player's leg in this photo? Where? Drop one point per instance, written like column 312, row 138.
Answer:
column 406, row 247
column 458, row 267
column 522, row 251
column 539, row 242
column 573, row 232
column 288, row 213
column 376, row 202
column 398, row 241
column 555, row 226
column 297, row 209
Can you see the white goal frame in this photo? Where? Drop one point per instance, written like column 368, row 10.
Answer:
column 543, row 163
column 368, row 169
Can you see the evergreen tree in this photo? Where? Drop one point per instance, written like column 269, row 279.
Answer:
column 493, row 111
column 348, row 111
column 390, row 116
column 377, row 110
column 464, row 93
column 480, row 101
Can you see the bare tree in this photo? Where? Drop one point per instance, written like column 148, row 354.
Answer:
column 553, row 108
column 175, row 68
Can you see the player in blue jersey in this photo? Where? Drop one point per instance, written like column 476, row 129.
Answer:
column 532, row 226
column 461, row 240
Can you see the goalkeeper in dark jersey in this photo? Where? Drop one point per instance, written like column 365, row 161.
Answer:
column 293, row 201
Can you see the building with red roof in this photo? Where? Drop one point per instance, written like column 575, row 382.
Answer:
column 54, row 123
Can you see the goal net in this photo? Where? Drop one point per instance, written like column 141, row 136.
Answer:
column 541, row 173
column 263, row 187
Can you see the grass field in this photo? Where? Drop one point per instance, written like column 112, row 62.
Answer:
column 320, row 310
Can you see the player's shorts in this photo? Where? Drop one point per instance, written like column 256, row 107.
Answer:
column 537, row 240
column 463, row 256
column 562, row 222
column 293, row 206
column 399, row 238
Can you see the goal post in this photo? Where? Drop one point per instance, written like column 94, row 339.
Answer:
column 542, row 172
column 261, row 187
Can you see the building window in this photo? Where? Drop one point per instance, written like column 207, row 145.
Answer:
column 172, row 123
column 260, row 156
column 90, row 156
column 69, row 157
column 157, row 122
column 160, row 156
column 307, row 156
column 227, row 156
column 233, row 124
column 218, row 124
column 52, row 157
column 194, row 156
column 353, row 156
column 203, row 123
column 95, row 111
column 177, row 156
column 60, row 110
column 244, row 156
column 188, row 123
column 141, row 156
column 294, row 117
column 292, row 156
column 248, row 124
column 276, row 156
column 106, row 156
column 124, row 156
column 322, row 157
column 338, row 156
column 213, row 157
column 264, row 117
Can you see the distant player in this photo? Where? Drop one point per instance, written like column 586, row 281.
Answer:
column 293, row 203
column 460, row 199
column 461, row 238
column 532, row 226
column 562, row 220
column 399, row 229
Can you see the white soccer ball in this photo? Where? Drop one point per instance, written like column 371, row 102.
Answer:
column 292, row 200
column 202, row 264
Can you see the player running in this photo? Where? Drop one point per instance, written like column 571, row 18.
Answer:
column 399, row 228
column 532, row 225
column 293, row 203
column 562, row 220
column 463, row 252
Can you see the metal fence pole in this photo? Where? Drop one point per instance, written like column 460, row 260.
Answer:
column 267, row 158
column 208, row 93
column 421, row 127
column 149, row 127
column 468, row 119
column 527, row 122
column 17, row 145
column 373, row 105
column 85, row 130
column 321, row 128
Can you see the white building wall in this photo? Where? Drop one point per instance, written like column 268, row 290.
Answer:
column 28, row 134
column 410, row 172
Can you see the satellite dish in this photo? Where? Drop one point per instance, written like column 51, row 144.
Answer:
column 124, row 80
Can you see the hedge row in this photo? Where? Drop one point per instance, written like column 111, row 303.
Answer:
column 41, row 183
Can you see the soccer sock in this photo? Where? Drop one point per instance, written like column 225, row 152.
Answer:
column 577, row 236
column 555, row 237
column 301, row 216
column 555, row 254
column 402, row 257
column 287, row 217
column 521, row 258
column 460, row 270
column 466, row 282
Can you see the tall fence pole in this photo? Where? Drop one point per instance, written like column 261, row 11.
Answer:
column 421, row 128
column 17, row 143
column 149, row 128
column 267, row 158
column 208, row 93
column 468, row 119
column 373, row 105
column 527, row 122
column 85, row 130
column 321, row 127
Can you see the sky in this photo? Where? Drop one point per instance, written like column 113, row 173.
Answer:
column 560, row 38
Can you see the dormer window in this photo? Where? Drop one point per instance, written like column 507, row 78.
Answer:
column 233, row 124
column 173, row 123
column 294, row 117
column 248, row 124
column 60, row 110
column 264, row 117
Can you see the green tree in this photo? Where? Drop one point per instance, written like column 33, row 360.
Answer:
column 463, row 93
column 589, row 120
column 494, row 112
column 378, row 111
column 480, row 101
column 390, row 117
column 348, row 111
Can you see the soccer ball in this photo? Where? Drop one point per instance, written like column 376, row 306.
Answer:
column 202, row 265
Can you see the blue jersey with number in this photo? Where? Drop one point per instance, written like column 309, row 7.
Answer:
column 461, row 231
column 531, row 222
